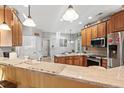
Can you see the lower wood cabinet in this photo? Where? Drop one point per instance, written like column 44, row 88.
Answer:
column 72, row 60
column 69, row 60
column 59, row 60
column 104, row 63
column 26, row 78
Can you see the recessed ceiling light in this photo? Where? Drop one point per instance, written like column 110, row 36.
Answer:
column 80, row 23
column 90, row 17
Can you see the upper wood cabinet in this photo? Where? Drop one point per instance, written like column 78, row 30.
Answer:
column 94, row 31
column 118, row 22
column 101, row 29
column 109, row 27
column 14, row 36
column 83, row 33
column 6, row 36
column 17, row 32
column 88, row 36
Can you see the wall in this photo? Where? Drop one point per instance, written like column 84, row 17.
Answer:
column 55, row 41
column 98, row 51
column 31, row 44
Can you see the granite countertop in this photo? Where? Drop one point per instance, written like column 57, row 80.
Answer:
column 113, row 77
column 72, row 54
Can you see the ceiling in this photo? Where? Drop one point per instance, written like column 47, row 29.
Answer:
column 47, row 17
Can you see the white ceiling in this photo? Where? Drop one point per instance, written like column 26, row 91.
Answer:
column 47, row 17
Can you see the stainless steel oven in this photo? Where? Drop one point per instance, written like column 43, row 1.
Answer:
column 93, row 61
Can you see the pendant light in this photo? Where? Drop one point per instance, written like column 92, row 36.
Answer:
column 4, row 26
column 29, row 21
column 70, row 14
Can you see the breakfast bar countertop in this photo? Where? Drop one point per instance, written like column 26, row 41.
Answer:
column 113, row 77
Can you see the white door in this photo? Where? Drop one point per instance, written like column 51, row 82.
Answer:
column 45, row 48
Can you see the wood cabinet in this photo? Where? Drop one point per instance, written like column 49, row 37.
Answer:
column 59, row 60
column 26, row 78
column 101, row 29
column 88, row 36
column 69, row 60
column 20, row 33
column 6, row 36
column 84, row 41
column 78, row 60
column 16, row 32
column 109, row 27
column 117, row 22
column 14, row 36
column 94, row 31
column 104, row 63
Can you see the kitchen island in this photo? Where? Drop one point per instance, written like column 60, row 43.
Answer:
column 44, row 74
column 80, row 59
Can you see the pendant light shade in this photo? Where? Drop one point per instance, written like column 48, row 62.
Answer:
column 4, row 26
column 70, row 14
column 29, row 21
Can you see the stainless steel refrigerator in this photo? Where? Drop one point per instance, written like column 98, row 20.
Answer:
column 115, row 49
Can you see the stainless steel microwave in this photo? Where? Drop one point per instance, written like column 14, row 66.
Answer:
column 99, row 42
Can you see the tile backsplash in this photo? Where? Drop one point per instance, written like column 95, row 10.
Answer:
column 4, row 49
column 97, row 51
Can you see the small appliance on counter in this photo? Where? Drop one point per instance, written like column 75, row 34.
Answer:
column 10, row 55
column 13, row 55
column 115, row 49
column 6, row 54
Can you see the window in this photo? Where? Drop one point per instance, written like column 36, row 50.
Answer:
column 63, row 42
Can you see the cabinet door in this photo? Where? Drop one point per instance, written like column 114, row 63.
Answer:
column 69, row 60
column 61, row 60
column 9, row 17
column 118, row 23
column 104, row 63
column 109, row 27
column 15, row 31
column 88, row 36
column 101, row 29
column 78, row 60
column 6, row 36
column 85, row 61
column 19, row 33
column 94, row 31
column 83, row 33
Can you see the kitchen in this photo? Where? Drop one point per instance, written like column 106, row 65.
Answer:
column 60, row 51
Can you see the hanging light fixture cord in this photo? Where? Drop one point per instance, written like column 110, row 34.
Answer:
column 29, row 14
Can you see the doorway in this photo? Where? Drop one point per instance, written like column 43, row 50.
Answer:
column 46, row 48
